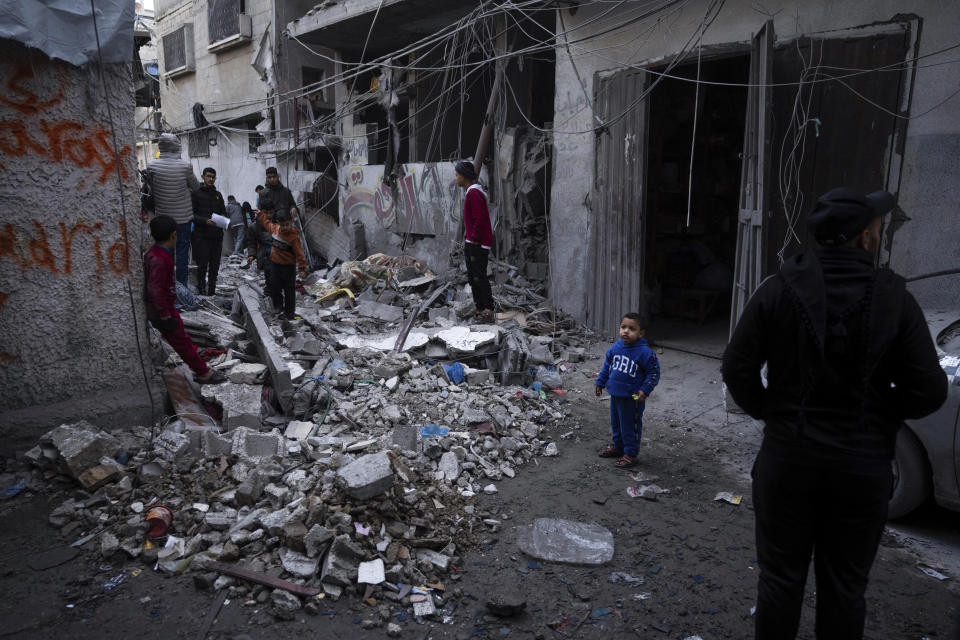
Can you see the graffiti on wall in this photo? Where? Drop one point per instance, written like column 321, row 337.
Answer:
column 422, row 202
column 30, row 129
column 32, row 249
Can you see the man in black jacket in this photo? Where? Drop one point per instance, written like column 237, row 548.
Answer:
column 207, row 236
column 281, row 197
column 848, row 357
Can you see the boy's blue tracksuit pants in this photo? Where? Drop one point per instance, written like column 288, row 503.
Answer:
column 626, row 423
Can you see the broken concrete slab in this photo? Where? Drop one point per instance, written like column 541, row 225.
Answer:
column 463, row 341
column 383, row 342
column 240, row 403
column 248, row 300
column 299, row 430
column 249, row 491
column 79, row 445
column 367, row 476
column 439, row 560
column 342, row 562
column 449, row 466
column 176, row 448
column 248, row 373
column 317, row 540
column 405, row 436
column 380, row 311
column 298, row 564
column 566, row 541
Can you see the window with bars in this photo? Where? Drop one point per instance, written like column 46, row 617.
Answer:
column 199, row 144
column 223, row 19
column 178, row 50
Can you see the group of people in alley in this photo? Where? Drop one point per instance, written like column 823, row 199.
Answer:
column 831, row 352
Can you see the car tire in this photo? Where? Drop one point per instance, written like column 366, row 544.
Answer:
column 911, row 475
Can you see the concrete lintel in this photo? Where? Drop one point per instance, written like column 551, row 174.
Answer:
column 333, row 14
column 249, row 301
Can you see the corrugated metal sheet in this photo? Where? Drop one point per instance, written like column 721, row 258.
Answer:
column 754, row 181
column 617, row 230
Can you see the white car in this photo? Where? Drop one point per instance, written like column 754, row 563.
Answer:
column 927, row 456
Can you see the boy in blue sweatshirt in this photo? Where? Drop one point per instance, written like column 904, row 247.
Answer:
column 630, row 373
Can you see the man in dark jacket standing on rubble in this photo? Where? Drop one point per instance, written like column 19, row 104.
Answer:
column 173, row 182
column 207, row 236
column 848, row 357
column 281, row 197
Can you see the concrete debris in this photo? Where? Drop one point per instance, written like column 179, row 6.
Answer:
column 566, row 541
column 326, row 458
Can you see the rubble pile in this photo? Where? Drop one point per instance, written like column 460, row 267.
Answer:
column 346, row 458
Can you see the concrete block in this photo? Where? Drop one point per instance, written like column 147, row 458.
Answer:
column 380, row 311
column 342, row 562
column 248, row 443
column 274, row 522
column 215, row 444
column 298, row 564
column 277, row 495
column 293, row 535
column 405, row 437
column 240, row 403
column 249, row 491
column 449, row 466
column 317, row 540
column 80, row 445
column 248, row 373
column 438, row 560
column 477, row 376
column 176, row 448
column 99, row 475
column 298, row 429
column 391, row 413
column 220, row 520
column 367, row 476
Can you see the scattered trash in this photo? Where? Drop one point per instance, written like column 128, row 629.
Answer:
column 455, row 372
column 626, row 578
column 641, row 596
column 727, row 496
column 160, row 518
column 932, row 571
column 433, row 431
column 649, row 491
column 114, row 582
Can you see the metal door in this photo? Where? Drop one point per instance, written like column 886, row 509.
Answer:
column 755, row 176
column 617, row 229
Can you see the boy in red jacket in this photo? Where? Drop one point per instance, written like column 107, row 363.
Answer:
column 478, row 238
column 159, row 294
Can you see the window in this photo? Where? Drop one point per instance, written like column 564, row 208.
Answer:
column 254, row 138
column 227, row 24
column 178, row 51
column 199, row 144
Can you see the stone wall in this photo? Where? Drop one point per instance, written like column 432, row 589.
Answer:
column 71, row 310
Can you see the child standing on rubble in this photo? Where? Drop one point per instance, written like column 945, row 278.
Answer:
column 285, row 254
column 159, row 296
column 630, row 372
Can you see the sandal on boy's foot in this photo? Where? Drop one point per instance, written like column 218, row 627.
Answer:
column 216, row 377
column 625, row 462
column 610, row 452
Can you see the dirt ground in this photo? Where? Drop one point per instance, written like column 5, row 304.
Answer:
column 695, row 556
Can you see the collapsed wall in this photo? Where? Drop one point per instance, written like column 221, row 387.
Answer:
column 71, row 310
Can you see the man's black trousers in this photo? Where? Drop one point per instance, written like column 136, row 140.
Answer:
column 283, row 287
column 476, row 259
column 833, row 508
column 206, row 253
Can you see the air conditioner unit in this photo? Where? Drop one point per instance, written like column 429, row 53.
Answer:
column 178, row 58
column 243, row 35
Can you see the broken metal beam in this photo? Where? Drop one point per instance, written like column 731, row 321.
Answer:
column 262, row 578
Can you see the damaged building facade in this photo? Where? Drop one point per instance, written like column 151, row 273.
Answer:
column 841, row 94
column 599, row 115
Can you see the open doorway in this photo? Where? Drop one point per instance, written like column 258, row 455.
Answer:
column 691, row 223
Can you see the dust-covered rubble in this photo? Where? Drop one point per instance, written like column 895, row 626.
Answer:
column 360, row 476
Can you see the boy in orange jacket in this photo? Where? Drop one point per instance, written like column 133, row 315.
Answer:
column 284, row 256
